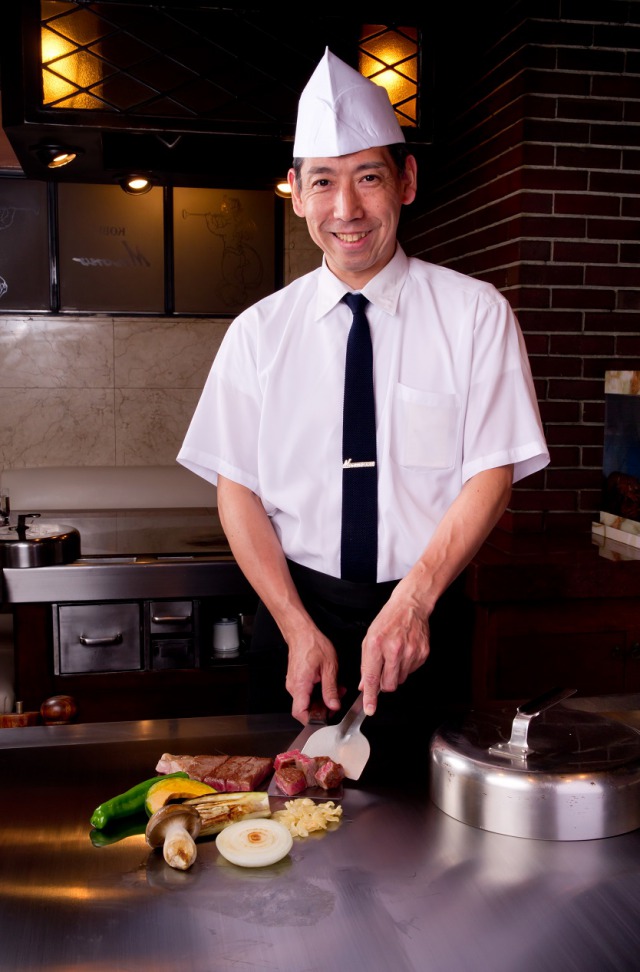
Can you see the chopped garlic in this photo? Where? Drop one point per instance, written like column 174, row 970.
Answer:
column 303, row 816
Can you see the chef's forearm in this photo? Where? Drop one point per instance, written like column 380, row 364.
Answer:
column 461, row 532
column 259, row 555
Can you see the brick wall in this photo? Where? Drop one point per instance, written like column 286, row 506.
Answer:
column 532, row 181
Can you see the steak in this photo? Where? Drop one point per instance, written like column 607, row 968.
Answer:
column 196, row 767
column 224, row 773
column 239, row 773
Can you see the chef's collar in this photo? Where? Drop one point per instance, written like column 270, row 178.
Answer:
column 383, row 290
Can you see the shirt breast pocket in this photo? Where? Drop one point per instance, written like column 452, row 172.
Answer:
column 425, row 428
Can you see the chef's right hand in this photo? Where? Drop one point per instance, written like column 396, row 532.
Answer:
column 312, row 661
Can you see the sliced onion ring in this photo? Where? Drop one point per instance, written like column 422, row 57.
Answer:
column 254, row 843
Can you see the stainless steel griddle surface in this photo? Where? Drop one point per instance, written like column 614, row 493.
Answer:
column 133, row 554
column 398, row 887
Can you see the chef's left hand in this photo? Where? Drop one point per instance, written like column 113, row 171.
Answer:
column 396, row 644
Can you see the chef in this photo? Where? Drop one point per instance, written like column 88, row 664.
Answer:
column 364, row 424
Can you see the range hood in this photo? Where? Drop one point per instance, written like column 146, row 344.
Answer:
column 192, row 93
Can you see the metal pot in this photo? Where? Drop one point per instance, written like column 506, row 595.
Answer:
column 549, row 773
column 37, row 544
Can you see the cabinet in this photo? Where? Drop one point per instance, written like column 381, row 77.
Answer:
column 552, row 613
column 120, row 636
column 122, row 660
column 521, row 649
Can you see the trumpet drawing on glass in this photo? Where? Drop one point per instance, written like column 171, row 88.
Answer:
column 240, row 266
column 224, row 249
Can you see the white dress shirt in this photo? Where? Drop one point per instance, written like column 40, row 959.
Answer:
column 454, row 396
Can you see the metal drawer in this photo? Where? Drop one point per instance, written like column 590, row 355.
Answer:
column 98, row 638
column 172, row 634
column 169, row 617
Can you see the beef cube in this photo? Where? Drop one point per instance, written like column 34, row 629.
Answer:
column 308, row 766
column 290, row 779
column 286, row 759
column 328, row 773
column 294, row 757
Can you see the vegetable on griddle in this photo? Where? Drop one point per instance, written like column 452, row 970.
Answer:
column 218, row 810
column 127, row 803
column 254, row 843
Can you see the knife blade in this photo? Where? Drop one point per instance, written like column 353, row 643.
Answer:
column 317, row 719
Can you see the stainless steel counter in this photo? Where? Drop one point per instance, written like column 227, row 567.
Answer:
column 398, row 887
column 134, row 554
column 121, row 577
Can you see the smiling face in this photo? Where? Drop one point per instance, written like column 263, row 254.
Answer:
column 352, row 206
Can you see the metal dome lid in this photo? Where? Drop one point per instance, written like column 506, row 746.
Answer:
column 549, row 773
column 37, row 544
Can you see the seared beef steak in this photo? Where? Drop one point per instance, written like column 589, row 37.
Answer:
column 240, row 773
column 227, row 774
column 196, row 767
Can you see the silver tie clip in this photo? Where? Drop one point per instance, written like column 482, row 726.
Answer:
column 349, row 464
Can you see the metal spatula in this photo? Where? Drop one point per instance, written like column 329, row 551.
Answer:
column 344, row 743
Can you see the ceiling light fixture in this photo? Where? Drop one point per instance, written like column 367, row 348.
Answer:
column 56, row 156
column 136, row 184
column 283, row 189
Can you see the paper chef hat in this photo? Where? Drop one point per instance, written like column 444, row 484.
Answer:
column 340, row 112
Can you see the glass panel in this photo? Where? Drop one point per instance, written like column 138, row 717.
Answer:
column 111, row 249
column 224, row 242
column 66, row 69
column 24, row 246
column 389, row 56
column 242, row 67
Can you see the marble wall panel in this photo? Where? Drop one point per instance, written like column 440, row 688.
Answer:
column 56, row 427
column 104, row 390
column 50, row 352
column 165, row 353
column 151, row 424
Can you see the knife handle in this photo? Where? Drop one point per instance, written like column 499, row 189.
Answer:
column 317, row 710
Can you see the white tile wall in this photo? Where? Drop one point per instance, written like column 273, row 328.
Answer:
column 110, row 390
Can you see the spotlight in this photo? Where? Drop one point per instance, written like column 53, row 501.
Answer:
column 55, row 156
column 283, row 189
column 136, row 184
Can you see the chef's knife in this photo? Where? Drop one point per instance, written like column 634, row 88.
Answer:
column 317, row 719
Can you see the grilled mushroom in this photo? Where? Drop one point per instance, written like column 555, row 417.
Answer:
column 174, row 828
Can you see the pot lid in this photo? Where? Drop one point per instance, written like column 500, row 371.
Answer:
column 35, row 532
column 550, row 772
column 544, row 737
column 37, row 544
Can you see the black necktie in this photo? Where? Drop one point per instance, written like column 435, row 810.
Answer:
column 359, row 549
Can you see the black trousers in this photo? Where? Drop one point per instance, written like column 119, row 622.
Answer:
column 343, row 611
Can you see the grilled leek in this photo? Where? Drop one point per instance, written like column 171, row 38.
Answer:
column 218, row 810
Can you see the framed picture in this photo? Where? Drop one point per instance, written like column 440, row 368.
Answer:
column 620, row 512
column 223, row 249
column 24, row 246
column 111, row 249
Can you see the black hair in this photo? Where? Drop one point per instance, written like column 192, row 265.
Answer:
column 399, row 153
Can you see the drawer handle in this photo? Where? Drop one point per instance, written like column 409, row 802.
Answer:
column 115, row 639
column 170, row 619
